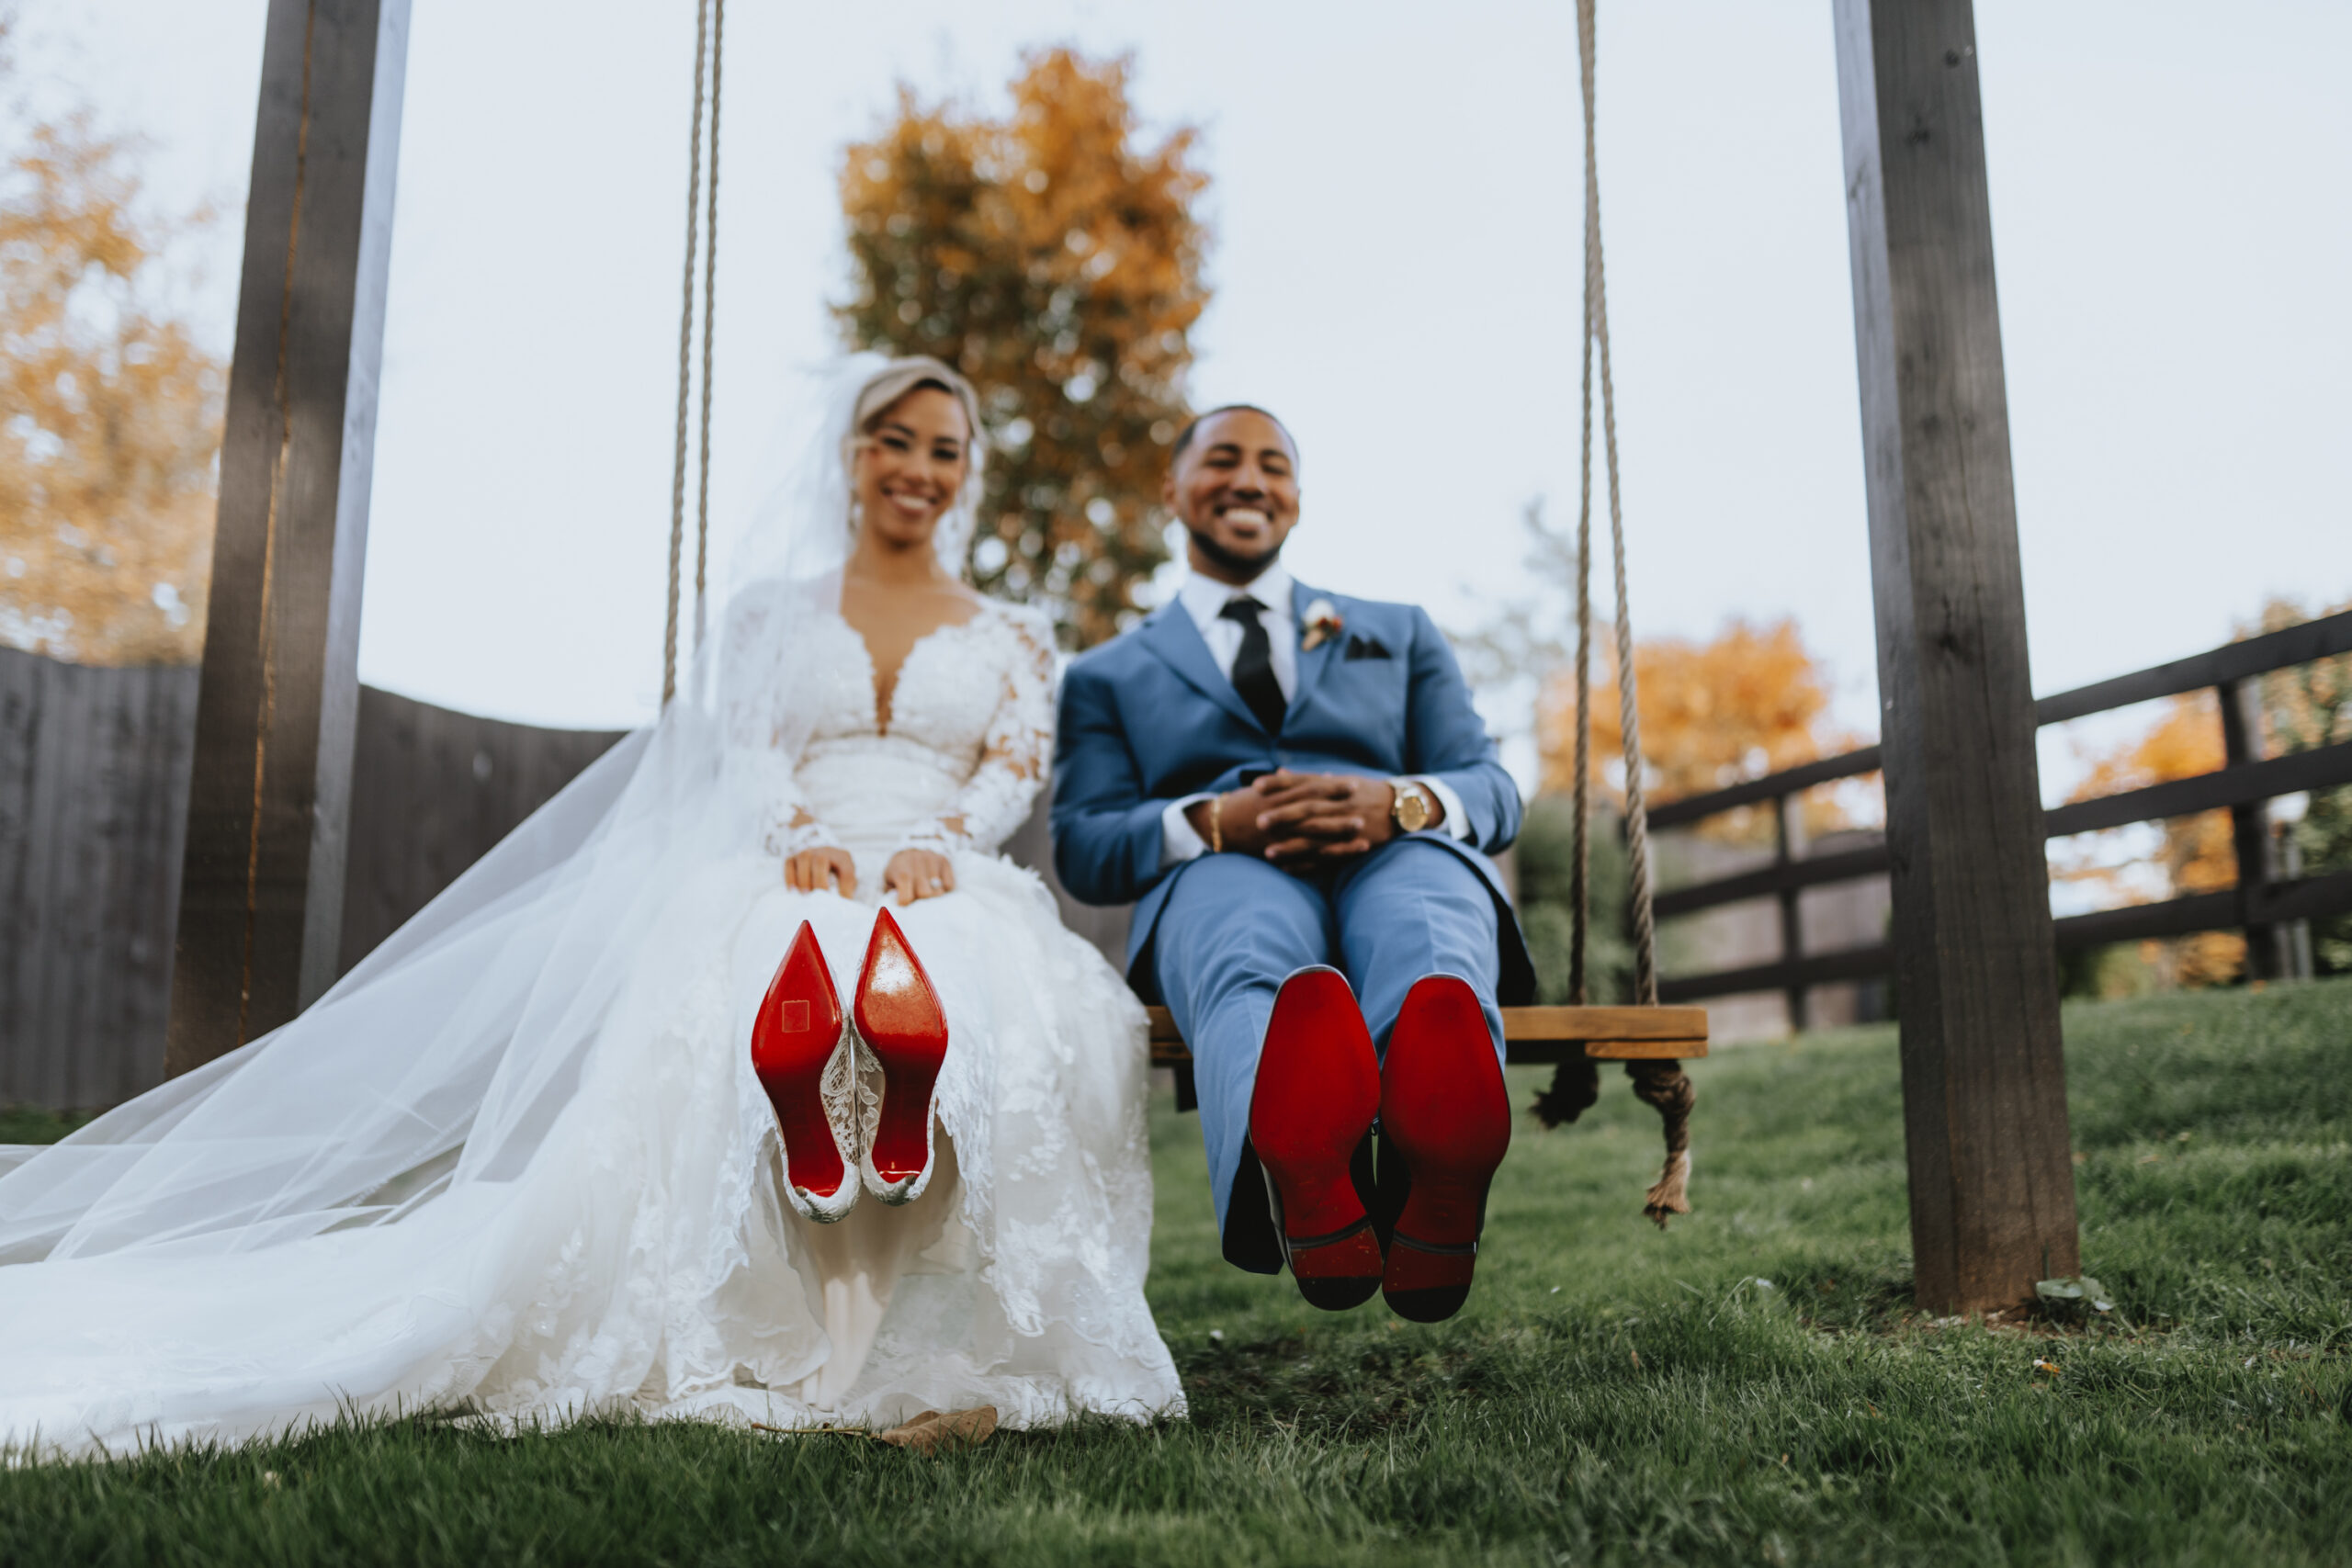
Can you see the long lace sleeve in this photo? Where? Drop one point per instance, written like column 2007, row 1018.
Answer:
column 760, row 746
column 1019, row 746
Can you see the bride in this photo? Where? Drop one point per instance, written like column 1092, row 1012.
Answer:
column 650, row 1111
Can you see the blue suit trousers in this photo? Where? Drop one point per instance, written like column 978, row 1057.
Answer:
column 1234, row 928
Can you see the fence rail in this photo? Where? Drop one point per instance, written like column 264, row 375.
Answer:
column 2262, row 904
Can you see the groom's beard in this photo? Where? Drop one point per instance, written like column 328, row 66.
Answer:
column 1243, row 566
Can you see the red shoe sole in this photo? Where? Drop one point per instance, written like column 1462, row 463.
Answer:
column 902, row 1022
column 1444, row 1111
column 1317, row 1092
column 795, row 1033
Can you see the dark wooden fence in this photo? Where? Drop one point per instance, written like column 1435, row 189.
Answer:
column 431, row 791
column 93, row 811
column 94, row 770
column 2262, row 904
column 94, row 773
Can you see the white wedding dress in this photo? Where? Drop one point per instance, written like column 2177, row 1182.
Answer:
column 517, row 1162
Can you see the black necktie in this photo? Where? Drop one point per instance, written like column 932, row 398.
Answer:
column 1253, row 666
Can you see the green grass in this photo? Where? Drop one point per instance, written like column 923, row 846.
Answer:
column 1611, row 1396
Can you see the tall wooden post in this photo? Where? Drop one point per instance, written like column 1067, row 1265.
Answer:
column 1984, row 1075
column 261, row 897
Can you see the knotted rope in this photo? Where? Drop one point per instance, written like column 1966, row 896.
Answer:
column 1575, row 1086
column 709, row 41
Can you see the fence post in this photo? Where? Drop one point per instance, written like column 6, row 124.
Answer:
column 2250, row 826
column 1788, row 846
column 261, row 896
column 1991, row 1183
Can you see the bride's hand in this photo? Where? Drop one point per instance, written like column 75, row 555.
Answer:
column 811, row 869
column 918, row 873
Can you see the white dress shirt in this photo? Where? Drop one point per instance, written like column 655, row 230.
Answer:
column 1204, row 599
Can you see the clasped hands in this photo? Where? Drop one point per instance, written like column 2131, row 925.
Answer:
column 1301, row 821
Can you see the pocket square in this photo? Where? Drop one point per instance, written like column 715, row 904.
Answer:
column 1365, row 647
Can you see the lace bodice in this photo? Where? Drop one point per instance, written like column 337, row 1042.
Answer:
column 956, row 766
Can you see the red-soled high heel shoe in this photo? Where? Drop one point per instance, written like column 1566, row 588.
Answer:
column 1317, row 1092
column 1444, row 1112
column 795, row 1036
column 899, row 1018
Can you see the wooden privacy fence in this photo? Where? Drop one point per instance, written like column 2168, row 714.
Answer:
column 94, row 768
column 94, row 776
column 2262, row 904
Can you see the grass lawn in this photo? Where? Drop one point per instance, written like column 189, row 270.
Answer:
column 1610, row 1395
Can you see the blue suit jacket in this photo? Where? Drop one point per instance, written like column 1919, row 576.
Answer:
column 1147, row 718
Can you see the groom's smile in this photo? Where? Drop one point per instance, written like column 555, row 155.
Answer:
column 1234, row 486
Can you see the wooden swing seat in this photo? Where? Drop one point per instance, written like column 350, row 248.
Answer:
column 1539, row 1035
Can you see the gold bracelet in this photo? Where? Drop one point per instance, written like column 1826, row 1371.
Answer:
column 1217, row 825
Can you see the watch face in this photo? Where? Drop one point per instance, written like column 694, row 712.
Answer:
column 1412, row 810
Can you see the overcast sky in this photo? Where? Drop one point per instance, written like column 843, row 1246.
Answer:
column 1395, row 205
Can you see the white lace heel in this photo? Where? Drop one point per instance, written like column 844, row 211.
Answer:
column 899, row 1018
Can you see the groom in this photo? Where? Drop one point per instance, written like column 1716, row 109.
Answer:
column 1294, row 789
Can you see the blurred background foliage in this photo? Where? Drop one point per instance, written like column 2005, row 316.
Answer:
column 2300, row 708
column 109, row 409
column 1749, row 700
column 1056, row 262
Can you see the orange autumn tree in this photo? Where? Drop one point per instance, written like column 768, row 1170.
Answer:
column 1055, row 261
column 1750, row 701
column 109, row 409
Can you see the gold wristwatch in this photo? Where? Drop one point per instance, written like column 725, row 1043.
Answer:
column 1411, row 812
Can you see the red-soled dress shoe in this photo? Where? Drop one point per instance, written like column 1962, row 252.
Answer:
column 795, row 1036
column 899, row 1018
column 1444, row 1111
column 1317, row 1092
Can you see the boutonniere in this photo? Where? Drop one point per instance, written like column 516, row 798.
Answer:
column 1323, row 624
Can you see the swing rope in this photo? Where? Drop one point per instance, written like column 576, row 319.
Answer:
column 709, row 322
column 1575, row 1086
column 709, row 45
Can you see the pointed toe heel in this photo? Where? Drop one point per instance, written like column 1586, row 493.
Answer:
column 1444, row 1110
column 899, row 1018
column 795, row 1035
column 1317, row 1091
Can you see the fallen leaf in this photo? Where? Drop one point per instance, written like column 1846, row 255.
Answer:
column 931, row 1432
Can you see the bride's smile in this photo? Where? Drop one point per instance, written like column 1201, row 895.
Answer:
column 912, row 466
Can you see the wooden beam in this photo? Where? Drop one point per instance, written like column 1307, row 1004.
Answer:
column 260, row 897
column 1984, row 1075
